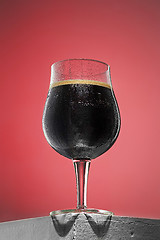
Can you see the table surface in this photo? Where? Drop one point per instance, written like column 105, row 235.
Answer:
column 81, row 226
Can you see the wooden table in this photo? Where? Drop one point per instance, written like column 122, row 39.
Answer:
column 81, row 227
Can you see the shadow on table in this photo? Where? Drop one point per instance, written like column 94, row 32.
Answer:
column 99, row 228
column 62, row 224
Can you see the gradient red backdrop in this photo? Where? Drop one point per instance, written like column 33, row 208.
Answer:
column 34, row 179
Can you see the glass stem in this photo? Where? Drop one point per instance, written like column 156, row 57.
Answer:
column 81, row 170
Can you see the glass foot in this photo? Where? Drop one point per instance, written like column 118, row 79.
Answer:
column 87, row 210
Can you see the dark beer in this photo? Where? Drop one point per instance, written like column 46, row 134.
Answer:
column 81, row 120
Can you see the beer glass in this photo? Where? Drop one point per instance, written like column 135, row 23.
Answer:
column 81, row 118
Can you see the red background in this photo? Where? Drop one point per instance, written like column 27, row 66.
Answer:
column 34, row 179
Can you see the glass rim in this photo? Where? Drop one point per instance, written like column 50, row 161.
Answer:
column 84, row 59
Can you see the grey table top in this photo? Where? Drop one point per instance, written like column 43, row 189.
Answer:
column 81, row 226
